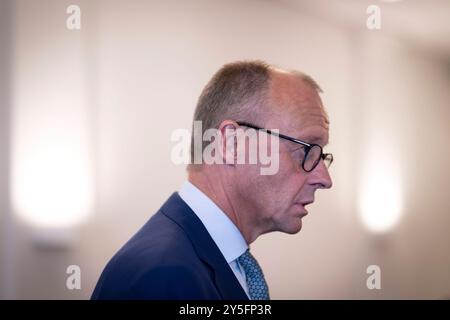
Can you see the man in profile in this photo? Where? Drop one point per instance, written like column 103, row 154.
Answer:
column 197, row 245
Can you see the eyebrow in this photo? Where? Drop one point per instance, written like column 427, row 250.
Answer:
column 313, row 139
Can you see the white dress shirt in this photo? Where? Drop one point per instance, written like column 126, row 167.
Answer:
column 222, row 230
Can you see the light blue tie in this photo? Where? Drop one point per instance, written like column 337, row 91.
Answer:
column 257, row 286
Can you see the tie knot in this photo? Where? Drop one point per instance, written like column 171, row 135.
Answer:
column 257, row 285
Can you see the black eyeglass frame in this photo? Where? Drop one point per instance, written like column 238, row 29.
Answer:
column 308, row 146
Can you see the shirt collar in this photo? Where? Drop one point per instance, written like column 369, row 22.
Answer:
column 223, row 231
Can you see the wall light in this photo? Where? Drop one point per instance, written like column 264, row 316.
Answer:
column 52, row 179
column 380, row 196
column 52, row 126
column 53, row 187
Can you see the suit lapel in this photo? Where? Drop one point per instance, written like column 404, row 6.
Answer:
column 177, row 210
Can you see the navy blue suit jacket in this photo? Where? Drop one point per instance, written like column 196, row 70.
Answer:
column 171, row 257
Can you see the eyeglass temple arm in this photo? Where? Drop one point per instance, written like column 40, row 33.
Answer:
column 274, row 133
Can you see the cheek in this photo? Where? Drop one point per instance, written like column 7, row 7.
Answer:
column 273, row 193
column 291, row 173
column 283, row 188
column 289, row 182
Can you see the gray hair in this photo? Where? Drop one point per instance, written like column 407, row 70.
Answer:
column 233, row 93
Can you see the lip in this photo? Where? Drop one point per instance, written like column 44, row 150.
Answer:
column 303, row 212
column 305, row 203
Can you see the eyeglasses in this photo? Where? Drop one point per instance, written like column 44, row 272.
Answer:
column 313, row 152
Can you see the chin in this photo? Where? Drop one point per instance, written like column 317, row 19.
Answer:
column 293, row 227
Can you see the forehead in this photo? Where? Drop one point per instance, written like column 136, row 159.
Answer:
column 296, row 109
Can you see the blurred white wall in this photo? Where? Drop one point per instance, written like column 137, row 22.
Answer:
column 135, row 70
column 406, row 114
column 6, row 250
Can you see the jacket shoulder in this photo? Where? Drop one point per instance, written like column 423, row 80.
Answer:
column 158, row 262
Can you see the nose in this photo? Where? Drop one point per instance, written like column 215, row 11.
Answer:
column 321, row 177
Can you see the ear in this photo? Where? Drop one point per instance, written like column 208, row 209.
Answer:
column 228, row 147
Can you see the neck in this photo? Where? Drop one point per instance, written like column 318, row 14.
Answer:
column 213, row 184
